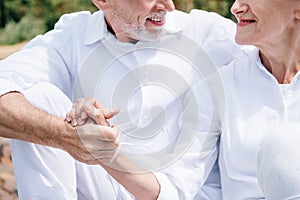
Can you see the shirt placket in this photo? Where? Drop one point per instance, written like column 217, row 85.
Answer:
column 286, row 93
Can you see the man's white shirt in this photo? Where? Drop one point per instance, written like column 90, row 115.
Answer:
column 79, row 57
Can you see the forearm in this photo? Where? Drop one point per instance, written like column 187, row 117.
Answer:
column 140, row 183
column 21, row 120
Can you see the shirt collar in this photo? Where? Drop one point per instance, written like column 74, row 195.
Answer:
column 97, row 28
column 253, row 55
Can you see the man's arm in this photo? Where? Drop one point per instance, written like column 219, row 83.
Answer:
column 23, row 121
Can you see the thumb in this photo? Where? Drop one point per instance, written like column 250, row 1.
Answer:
column 117, row 135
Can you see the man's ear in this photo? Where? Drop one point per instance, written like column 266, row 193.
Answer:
column 101, row 4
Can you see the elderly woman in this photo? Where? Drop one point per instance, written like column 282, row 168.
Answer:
column 262, row 90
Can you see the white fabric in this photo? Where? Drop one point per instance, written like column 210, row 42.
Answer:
column 278, row 167
column 253, row 103
column 80, row 40
column 48, row 173
column 60, row 53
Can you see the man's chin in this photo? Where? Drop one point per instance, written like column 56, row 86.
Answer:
column 149, row 35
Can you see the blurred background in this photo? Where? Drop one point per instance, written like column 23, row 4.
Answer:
column 21, row 20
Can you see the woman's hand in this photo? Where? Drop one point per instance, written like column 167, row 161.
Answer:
column 89, row 110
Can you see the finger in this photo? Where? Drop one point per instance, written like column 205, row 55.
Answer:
column 74, row 122
column 100, row 141
column 68, row 118
column 109, row 113
column 110, row 134
column 83, row 115
column 72, row 115
column 83, row 118
column 93, row 134
column 118, row 135
column 90, row 121
column 100, row 118
column 78, row 107
column 83, row 109
column 97, row 104
column 107, row 122
column 93, row 109
column 90, row 107
column 98, row 111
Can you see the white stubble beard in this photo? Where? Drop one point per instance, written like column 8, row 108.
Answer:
column 140, row 33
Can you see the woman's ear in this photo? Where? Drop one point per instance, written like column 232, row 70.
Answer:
column 101, row 4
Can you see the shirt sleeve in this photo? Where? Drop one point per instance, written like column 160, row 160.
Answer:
column 195, row 173
column 46, row 58
column 218, row 37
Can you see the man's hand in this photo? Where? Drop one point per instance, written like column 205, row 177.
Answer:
column 100, row 140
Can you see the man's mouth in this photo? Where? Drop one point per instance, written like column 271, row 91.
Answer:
column 155, row 19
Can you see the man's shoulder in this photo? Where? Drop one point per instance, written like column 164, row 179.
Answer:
column 77, row 24
column 80, row 17
column 199, row 21
column 195, row 15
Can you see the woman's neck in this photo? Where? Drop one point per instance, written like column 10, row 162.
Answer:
column 282, row 60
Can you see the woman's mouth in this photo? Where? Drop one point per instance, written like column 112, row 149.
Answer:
column 244, row 22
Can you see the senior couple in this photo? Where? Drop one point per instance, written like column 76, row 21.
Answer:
column 160, row 104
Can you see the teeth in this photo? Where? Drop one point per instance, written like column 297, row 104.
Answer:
column 156, row 19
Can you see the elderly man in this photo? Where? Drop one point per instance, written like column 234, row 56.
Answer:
column 39, row 83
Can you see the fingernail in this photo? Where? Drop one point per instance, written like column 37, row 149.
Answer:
column 74, row 122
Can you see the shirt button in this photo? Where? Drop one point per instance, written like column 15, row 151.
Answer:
column 145, row 120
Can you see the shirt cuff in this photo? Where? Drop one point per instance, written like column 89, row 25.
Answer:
column 8, row 86
column 167, row 189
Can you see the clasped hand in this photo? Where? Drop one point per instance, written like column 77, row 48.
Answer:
column 99, row 138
